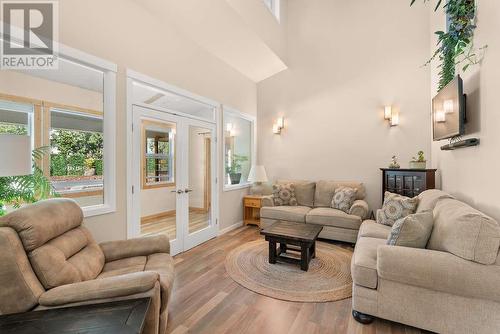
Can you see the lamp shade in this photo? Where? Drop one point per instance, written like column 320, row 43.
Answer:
column 15, row 152
column 257, row 174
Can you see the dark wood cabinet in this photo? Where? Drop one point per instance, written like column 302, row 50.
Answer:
column 407, row 182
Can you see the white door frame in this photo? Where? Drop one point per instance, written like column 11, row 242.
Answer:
column 133, row 228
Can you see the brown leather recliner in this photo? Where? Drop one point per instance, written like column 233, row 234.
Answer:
column 48, row 260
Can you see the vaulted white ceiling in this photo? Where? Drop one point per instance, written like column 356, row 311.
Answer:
column 243, row 34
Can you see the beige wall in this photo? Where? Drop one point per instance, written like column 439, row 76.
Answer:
column 347, row 59
column 262, row 21
column 470, row 173
column 124, row 33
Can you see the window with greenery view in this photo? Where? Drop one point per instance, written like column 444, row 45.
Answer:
column 76, row 159
column 64, row 111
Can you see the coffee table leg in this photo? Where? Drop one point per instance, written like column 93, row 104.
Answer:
column 272, row 251
column 304, row 257
column 282, row 248
column 313, row 250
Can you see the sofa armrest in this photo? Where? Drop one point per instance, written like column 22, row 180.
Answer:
column 110, row 287
column 438, row 271
column 267, row 200
column 120, row 249
column 360, row 208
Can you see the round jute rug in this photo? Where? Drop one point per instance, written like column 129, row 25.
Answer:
column 328, row 277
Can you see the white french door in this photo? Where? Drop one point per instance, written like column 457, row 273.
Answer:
column 174, row 173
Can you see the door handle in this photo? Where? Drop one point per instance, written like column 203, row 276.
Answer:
column 177, row 191
column 188, row 190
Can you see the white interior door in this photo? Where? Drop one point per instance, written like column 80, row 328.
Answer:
column 174, row 177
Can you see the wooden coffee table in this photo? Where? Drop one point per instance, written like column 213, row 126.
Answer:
column 295, row 237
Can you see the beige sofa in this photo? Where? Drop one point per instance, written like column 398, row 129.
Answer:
column 48, row 260
column 453, row 286
column 314, row 200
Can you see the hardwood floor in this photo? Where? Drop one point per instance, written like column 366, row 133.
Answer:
column 166, row 225
column 207, row 300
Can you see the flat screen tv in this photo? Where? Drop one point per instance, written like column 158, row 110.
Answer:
column 448, row 111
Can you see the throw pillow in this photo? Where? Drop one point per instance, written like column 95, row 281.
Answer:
column 284, row 194
column 396, row 207
column 412, row 231
column 343, row 198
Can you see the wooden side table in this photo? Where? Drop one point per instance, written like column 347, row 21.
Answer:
column 251, row 210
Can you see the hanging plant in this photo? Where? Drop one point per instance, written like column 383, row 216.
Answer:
column 455, row 46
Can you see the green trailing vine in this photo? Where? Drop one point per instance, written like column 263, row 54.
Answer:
column 455, row 46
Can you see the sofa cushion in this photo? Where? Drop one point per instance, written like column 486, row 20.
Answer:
column 372, row 229
column 359, row 186
column 123, row 266
column 70, row 258
column 323, row 194
column 427, row 199
column 284, row 194
column 461, row 230
column 325, row 190
column 304, row 191
column 364, row 262
column 289, row 213
column 412, row 231
column 343, row 198
column 333, row 217
column 19, row 286
column 42, row 221
column 395, row 207
column 160, row 263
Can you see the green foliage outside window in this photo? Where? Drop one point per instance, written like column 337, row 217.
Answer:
column 75, row 152
column 14, row 129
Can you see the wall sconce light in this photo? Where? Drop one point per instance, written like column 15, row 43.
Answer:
column 394, row 118
column 387, row 112
column 391, row 115
column 280, row 124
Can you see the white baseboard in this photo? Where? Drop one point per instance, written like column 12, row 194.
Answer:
column 231, row 227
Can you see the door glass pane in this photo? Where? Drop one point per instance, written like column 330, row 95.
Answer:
column 158, row 196
column 200, row 202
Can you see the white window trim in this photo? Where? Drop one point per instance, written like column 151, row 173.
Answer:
column 109, row 127
column 109, row 70
column 253, row 146
column 109, row 150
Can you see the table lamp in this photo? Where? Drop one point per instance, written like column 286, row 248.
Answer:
column 257, row 176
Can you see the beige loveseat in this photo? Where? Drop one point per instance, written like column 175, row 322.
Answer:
column 314, row 201
column 452, row 286
column 48, row 260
